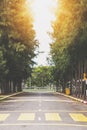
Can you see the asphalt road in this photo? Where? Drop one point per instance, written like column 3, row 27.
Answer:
column 42, row 111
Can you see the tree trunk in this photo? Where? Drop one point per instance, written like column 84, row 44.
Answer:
column 14, row 86
column 19, row 86
column 63, row 87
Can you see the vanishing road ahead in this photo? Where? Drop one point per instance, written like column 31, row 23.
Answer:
column 42, row 111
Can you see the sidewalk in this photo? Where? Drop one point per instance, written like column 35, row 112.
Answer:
column 2, row 97
column 73, row 98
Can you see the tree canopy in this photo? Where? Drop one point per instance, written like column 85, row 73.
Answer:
column 41, row 76
column 69, row 35
column 17, row 42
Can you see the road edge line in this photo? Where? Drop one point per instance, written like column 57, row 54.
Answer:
column 73, row 98
column 5, row 97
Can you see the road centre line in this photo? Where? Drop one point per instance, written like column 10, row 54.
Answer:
column 39, row 118
column 39, row 110
column 39, row 105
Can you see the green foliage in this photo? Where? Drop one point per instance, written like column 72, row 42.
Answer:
column 70, row 37
column 17, row 40
column 3, row 69
column 41, row 76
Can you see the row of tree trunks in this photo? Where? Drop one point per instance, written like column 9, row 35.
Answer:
column 8, row 87
column 80, row 80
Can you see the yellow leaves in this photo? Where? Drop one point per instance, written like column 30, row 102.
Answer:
column 21, row 22
column 19, row 47
column 68, row 20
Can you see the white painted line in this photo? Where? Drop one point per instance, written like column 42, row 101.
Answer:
column 39, row 105
column 39, row 118
column 39, row 110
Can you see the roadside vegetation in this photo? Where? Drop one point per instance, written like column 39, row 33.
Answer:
column 69, row 46
column 17, row 44
column 68, row 50
column 41, row 77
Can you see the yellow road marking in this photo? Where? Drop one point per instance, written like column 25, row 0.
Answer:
column 10, row 95
column 78, row 117
column 3, row 117
column 52, row 117
column 27, row 116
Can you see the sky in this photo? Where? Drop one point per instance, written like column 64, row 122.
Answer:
column 43, row 16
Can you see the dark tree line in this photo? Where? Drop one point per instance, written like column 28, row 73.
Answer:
column 69, row 47
column 17, row 44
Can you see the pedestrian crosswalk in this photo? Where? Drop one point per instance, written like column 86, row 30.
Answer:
column 27, row 116
column 3, row 117
column 52, row 117
column 76, row 117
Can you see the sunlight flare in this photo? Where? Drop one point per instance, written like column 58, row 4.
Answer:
column 43, row 14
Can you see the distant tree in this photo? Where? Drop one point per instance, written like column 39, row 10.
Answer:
column 41, row 76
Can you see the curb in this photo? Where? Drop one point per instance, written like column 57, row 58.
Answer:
column 73, row 98
column 5, row 97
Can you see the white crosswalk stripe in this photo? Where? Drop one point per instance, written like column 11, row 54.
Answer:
column 3, row 117
column 26, row 116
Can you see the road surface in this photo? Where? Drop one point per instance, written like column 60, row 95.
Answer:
column 42, row 111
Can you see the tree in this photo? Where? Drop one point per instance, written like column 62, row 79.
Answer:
column 41, row 76
column 17, row 37
column 69, row 47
